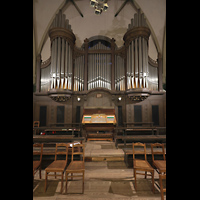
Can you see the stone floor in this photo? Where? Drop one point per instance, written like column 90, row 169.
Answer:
column 103, row 180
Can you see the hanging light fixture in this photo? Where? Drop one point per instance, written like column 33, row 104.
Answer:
column 99, row 6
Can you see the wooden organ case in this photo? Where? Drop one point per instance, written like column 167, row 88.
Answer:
column 99, row 123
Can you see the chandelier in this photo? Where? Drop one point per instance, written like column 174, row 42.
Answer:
column 99, row 6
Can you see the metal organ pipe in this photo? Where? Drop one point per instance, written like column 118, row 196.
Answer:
column 52, row 63
column 62, row 39
column 62, row 62
column 132, row 68
column 55, row 61
column 93, row 69
column 66, row 66
column 70, row 69
column 140, row 64
column 136, row 62
column 119, row 73
column 137, row 58
column 137, row 67
column 146, row 62
column 58, row 65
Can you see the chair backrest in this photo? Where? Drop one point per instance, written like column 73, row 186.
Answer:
column 36, row 123
column 38, row 152
column 61, row 151
column 161, row 152
column 139, row 144
column 78, row 149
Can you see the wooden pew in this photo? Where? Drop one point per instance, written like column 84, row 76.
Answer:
column 56, row 138
column 140, row 138
column 60, row 131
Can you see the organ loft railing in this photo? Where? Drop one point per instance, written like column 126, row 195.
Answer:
column 99, row 63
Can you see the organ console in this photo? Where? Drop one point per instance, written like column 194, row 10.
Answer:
column 99, row 123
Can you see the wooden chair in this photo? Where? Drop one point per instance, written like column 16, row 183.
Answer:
column 160, row 165
column 77, row 167
column 142, row 165
column 37, row 163
column 162, row 190
column 57, row 165
column 36, row 124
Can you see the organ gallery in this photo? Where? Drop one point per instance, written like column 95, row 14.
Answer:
column 99, row 75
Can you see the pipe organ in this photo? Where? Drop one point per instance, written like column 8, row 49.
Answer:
column 45, row 76
column 153, row 74
column 119, row 73
column 99, row 63
column 136, row 42
column 99, row 66
column 62, row 44
column 98, row 82
column 79, row 73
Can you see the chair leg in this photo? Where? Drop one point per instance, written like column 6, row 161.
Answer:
column 161, row 188
column 61, row 183
column 45, row 187
column 83, row 182
column 152, row 174
column 55, row 174
column 66, row 174
column 145, row 176
column 135, row 178
column 40, row 172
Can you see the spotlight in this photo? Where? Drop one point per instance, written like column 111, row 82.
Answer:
column 93, row 2
column 119, row 98
column 99, row 6
column 105, row 7
column 97, row 12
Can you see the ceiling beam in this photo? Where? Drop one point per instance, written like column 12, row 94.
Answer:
column 122, row 6
column 77, row 8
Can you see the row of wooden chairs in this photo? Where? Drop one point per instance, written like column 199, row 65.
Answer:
column 144, row 166
column 60, row 166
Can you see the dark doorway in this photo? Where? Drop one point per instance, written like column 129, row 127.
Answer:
column 43, row 115
column 155, row 115
column 78, row 112
column 138, row 114
column 120, row 119
column 60, row 115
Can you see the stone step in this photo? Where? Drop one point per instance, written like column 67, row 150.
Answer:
column 102, row 151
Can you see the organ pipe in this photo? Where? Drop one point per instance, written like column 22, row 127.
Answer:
column 136, row 42
column 136, row 62
column 58, row 64
column 62, row 41
column 62, row 62
column 99, row 74
column 79, row 73
column 139, row 72
column 140, row 64
column 119, row 73
column 132, row 68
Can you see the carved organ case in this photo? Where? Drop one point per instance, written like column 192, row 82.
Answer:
column 73, row 75
column 99, row 63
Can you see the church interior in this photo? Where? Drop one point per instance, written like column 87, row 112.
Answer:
column 99, row 99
